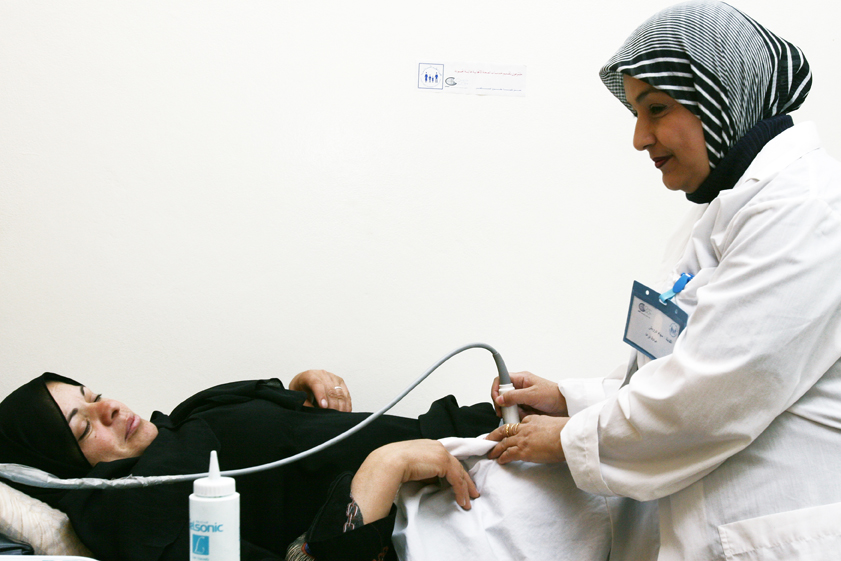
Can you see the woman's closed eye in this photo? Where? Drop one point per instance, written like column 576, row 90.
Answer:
column 87, row 430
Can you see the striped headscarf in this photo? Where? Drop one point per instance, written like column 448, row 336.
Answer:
column 719, row 63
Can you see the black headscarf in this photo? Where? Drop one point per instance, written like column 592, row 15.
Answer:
column 35, row 433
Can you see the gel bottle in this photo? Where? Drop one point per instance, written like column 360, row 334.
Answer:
column 214, row 517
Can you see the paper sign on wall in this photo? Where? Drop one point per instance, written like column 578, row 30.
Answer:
column 473, row 78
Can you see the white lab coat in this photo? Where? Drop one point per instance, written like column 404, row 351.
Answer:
column 738, row 431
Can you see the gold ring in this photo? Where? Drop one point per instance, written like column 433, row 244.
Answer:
column 507, row 430
column 516, row 428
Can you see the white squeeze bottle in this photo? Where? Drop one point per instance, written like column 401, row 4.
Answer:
column 214, row 517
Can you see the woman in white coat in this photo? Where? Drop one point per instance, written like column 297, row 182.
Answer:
column 737, row 432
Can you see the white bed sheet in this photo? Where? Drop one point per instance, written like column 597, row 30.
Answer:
column 526, row 511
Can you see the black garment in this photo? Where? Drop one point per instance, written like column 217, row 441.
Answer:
column 739, row 158
column 248, row 423
column 326, row 539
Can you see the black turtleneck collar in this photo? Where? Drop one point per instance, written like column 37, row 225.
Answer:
column 736, row 162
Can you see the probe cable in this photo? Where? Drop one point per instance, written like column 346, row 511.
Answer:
column 37, row 478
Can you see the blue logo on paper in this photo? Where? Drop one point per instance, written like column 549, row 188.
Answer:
column 431, row 76
column 674, row 329
column 201, row 545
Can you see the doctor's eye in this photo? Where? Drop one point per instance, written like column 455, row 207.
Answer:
column 656, row 109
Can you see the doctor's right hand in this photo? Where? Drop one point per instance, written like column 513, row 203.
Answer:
column 534, row 395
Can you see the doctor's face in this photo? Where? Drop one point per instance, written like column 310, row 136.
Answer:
column 106, row 429
column 672, row 135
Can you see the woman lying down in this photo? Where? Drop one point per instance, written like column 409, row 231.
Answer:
column 337, row 504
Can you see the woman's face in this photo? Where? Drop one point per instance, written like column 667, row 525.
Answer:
column 672, row 135
column 106, row 429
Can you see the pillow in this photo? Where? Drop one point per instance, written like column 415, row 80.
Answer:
column 29, row 520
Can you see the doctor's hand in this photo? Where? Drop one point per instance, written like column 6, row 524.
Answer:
column 378, row 479
column 532, row 393
column 325, row 390
column 537, row 438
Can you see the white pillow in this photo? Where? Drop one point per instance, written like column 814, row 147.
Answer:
column 29, row 520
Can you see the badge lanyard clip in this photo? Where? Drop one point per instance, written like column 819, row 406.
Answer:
column 678, row 286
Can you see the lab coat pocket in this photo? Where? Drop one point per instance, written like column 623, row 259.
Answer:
column 812, row 534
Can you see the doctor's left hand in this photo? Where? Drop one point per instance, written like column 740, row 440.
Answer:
column 326, row 390
column 537, row 438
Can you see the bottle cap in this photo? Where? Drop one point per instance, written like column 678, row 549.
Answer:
column 214, row 485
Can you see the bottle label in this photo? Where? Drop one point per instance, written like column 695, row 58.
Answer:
column 214, row 536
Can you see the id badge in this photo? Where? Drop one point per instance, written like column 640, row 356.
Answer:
column 653, row 326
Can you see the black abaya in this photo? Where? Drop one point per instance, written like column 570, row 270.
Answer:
column 248, row 423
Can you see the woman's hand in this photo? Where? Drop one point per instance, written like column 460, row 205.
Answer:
column 532, row 393
column 537, row 438
column 378, row 480
column 323, row 388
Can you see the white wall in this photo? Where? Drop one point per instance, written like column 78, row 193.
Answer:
column 196, row 192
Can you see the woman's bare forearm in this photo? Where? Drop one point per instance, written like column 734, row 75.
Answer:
column 378, row 479
column 375, row 485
